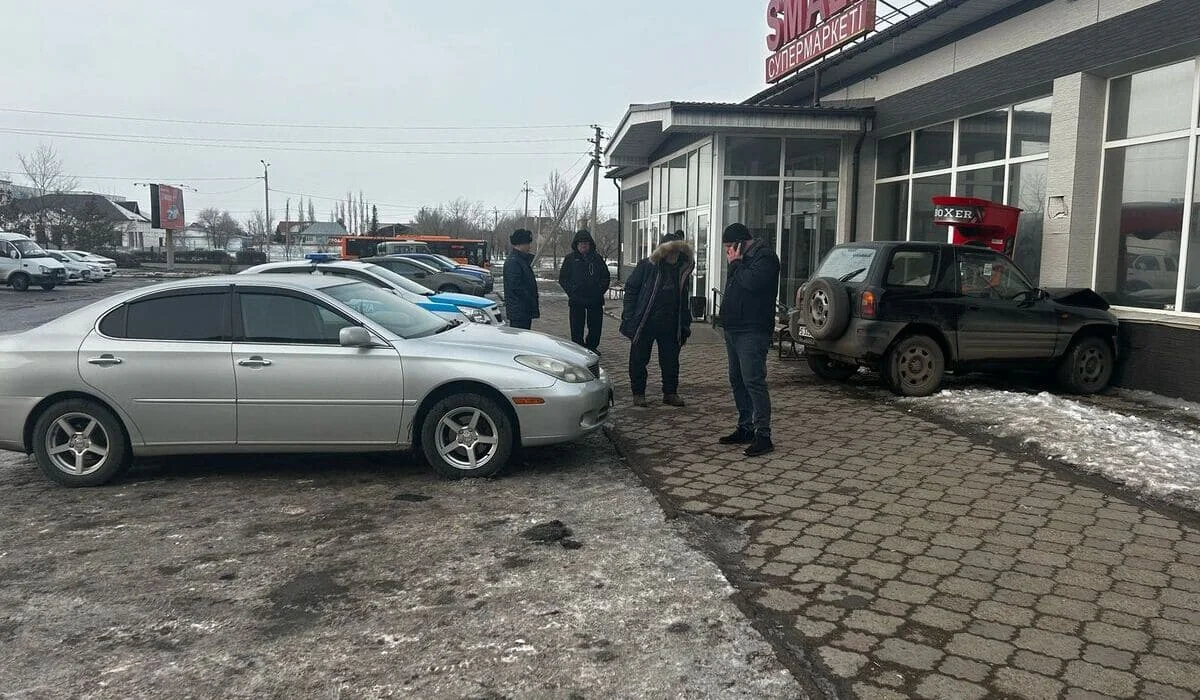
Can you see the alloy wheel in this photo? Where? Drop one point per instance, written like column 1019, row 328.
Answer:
column 467, row 438
column 78, row 444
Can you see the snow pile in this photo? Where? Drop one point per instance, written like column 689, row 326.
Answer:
column 1155, row 458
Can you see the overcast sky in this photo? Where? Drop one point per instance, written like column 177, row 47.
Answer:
column 403, row 63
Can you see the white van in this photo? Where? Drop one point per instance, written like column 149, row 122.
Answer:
column 23, row 263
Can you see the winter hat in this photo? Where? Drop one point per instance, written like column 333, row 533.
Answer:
column 581, row 236
column 736, row 233
column 521, row 236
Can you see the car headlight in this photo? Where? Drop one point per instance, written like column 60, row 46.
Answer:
column 45, row 270
column 474, row 315
column 558, row 369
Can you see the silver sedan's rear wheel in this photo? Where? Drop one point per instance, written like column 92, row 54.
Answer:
column 79, row 443
column 467, row 435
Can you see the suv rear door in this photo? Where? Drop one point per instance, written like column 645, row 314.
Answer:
column 1003, row 317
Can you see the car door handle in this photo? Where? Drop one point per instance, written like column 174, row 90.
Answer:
column 255, row 361
column 105, row 360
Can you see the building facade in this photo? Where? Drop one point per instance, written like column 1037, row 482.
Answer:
column 1085, row 114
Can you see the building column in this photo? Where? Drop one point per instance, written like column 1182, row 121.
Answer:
column 1073, row 180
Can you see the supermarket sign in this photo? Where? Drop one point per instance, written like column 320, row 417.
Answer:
column 802, row 31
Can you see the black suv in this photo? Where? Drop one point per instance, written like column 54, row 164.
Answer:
column 915, row 310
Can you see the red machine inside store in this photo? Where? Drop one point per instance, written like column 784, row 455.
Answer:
column 978, row 222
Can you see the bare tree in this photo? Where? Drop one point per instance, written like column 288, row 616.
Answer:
column 44, row 170
column 312, row 211
column 556, row 196
column 219, row 226
column 256, row 226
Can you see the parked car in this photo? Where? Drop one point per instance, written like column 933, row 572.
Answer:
column 429, row 276
column 24, row 263
column 78, row 271
column 107, row 264
column 445, row 264
column 286, row 363
column 472, row 308
column 1151, row 271
column 914, row 311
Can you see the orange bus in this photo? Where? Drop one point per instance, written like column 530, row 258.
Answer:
column 467, row 251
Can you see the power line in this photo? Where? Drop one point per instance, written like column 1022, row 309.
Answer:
column 276, row 125
column 219, row 139
column 140, row 178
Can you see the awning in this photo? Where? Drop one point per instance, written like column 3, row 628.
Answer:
column 645, row 129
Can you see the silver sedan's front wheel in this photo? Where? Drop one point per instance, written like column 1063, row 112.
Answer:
column 79, row 443
column 467, row 435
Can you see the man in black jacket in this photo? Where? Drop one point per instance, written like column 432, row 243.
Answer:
column 748, row 316
column 584, row 277
column 656, row 311
column 520, row 284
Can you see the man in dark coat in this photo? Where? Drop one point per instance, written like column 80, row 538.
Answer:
column 657, row 311
column 748, row 316
column 520, row 284
column 584, row 277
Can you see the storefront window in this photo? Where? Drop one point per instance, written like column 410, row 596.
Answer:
column 894, row 155
column 1027, row 190
column 1149, row 103
column 754, row 203
column 891, row 211
column 985, row 183
column 924, row 190
column 656, row 187
column 705, row 193
column 812, row 158
column 809, row 231
column 1141, row 223
column 934, row 148
column 752, row 156
column 677, row 186
column 1031, row 128
column 1191, row 282
column 983, row 138
column 693, row 175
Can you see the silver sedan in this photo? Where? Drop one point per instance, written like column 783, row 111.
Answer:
column 271, row 363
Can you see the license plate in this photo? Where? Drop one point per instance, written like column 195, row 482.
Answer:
column 804, row 335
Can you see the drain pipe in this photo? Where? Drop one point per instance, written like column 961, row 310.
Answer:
column 620, row 227
column 855, row 168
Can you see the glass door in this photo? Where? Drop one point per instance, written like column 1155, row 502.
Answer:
column 809, row 232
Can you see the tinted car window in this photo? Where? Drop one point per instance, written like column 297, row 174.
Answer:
column 911, row 268
column 113, row 325
column 985, row 275
column 276, row 318
column 180, row 317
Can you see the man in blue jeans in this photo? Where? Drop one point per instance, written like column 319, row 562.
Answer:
column 748, row 316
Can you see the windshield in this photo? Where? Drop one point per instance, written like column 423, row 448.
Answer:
column 400, row 281
column 401, row 317
column 848, row 264
column 436, row 262
column 448, row 264
column 74, row 256
column 29, row 249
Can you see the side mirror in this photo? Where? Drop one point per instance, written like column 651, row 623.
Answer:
column 355, row 337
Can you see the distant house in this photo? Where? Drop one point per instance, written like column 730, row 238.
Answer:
column 134, row 228
column 11, row 190
column 318, row 233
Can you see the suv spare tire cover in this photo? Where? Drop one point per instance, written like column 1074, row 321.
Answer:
column 826, row 308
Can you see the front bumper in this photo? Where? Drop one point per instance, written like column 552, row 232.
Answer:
column 570, row 411
column 53, row 277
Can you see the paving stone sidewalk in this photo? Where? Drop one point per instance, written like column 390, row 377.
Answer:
column 889, row 555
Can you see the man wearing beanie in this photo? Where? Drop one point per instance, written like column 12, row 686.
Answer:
column 748, row 316
column 656, row 312
column 584, row 277
column 520, row 284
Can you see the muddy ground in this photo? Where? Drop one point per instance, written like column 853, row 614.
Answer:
column 364, row 577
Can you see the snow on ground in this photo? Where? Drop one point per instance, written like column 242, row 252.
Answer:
column 1155, row 458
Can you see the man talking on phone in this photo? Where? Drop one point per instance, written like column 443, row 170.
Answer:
column 748, row 316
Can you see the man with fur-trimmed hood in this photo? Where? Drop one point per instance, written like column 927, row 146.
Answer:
column 584, row 277
column 657, row 311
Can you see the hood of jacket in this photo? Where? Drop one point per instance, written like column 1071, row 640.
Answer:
column 683, row 248
column 580, row 238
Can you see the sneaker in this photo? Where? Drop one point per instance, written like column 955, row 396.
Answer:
column 639, row 401
column 741, row 436
column 673, row 400
column 761, row 446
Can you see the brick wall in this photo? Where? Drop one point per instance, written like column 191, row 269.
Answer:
column 1160, row 359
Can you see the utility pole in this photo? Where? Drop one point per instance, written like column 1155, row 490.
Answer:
column 495, row 227
column 595, row 173
column 527, row 191
column 267, row 202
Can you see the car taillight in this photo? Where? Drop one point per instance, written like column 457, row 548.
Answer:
column 868, row 304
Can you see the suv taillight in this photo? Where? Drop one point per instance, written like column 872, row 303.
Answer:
column 868, row 304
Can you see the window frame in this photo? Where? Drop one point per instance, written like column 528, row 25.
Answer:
column 239, row 323
column 227, row 331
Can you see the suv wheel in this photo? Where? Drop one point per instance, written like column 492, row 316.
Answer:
column 826, row 368
column 1087, row 366
column 19, row 281
column 826, row 308
column 915, row 366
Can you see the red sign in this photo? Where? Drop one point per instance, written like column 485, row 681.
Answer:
column 166, row 207
column 801, row 31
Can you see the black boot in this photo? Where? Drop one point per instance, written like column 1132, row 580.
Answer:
column 741, row 436
column 761, row 446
